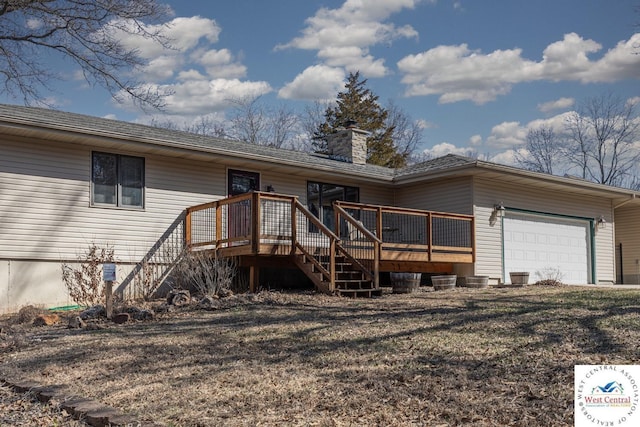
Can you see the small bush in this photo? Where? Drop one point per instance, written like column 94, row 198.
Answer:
column 549, row 282
column 206, row 275
column 28, row 314
column 146, row 281
column 549, row 274
column 84, row 283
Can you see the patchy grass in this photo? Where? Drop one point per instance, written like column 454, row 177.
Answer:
column 489, row 357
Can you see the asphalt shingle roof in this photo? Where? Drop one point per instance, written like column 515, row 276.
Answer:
column 48, row 119
column 72, row 122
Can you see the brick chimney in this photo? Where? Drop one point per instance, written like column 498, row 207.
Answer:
column 348, row 145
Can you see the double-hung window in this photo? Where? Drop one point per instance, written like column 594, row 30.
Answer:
column 117, row 180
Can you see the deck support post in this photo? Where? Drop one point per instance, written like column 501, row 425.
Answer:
column 254, row 278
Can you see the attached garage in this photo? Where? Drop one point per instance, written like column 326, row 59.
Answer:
column 539, row 243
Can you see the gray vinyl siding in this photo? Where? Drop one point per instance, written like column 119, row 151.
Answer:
column 487, row 193
column 297, row 186
column 45, row 194
column 627, row 227
column 451, row 195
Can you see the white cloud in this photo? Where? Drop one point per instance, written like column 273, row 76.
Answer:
column 425, row 124
column 558, row 104
column 34, row 23
column 192, row 123
column 182, row 33
column 621, row 62
column 507, row 135
column 184, row 36
column 161, row 68
column 567, row 59
column 190, row 74
column 198, row 78
column 316, row 82
column 634, row 101
column 343, row 36
column 220, row 63
column 457, row 73
column 353, row 59
column 445, row 148
column 475, row 140
column 195, row 97
column 556, row 123
column 506, row 157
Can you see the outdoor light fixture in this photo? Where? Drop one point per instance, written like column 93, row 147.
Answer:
column 270, row 189
column 601, row 222
column 499, row 210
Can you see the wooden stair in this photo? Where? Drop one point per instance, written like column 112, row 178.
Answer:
column 350, row 281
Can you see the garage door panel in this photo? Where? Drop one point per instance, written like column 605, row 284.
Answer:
column 536, row 243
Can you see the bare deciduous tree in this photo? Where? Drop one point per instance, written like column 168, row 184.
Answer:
column 202, row 125
column 252, row 122
column 87, row 33
column 407, row 133
column 249, row 121
column 313, row 117
column 602, row 136
column 543, row 150
column 205, row 125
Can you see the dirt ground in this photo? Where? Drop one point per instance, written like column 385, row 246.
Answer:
column 481, row 357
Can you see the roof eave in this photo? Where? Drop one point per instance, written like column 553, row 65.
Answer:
column 169, row 147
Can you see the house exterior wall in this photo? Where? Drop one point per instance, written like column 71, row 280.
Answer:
column 47, row 218
column 477, row 196
column 450, row 195
column 628, row 219
column 487, row 193
column 297, row 186
column 46, row 202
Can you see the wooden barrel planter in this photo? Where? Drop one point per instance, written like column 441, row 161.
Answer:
column 519, row 278
column 405, row 283
column 476, row 281
column 441, row 283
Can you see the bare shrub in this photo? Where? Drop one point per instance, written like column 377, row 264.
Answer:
column 146, row 281
column 549, row 276
column 28, row 314
column 206, row 275
column 84, row 282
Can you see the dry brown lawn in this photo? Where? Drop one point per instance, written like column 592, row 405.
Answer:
column 493, row 357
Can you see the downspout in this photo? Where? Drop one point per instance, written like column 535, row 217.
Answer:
column 592, row 226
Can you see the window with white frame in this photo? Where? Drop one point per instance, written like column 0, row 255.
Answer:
column 117, row 180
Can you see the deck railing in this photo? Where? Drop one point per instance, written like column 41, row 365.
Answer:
column 409, row 234
column 262, row 223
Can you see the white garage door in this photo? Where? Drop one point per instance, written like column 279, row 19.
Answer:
column 538, row 243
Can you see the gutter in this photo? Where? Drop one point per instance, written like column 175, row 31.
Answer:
column 630, row 199
column 175, row 145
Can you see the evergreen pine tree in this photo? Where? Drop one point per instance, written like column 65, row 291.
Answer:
column 360, row 105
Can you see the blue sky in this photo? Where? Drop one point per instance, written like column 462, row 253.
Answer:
column 475, row 74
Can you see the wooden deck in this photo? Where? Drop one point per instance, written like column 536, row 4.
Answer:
column 261, row 227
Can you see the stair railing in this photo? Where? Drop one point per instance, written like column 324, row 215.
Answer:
column 309, row 235
column 359, row 245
